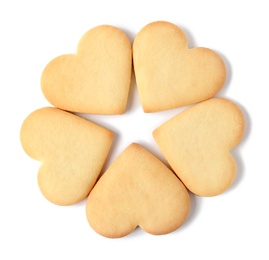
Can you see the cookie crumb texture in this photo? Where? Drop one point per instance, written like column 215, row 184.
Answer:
column 168, row 73
column 95, row 80
column 137, row 190
column 196, row 143
column 72, row 151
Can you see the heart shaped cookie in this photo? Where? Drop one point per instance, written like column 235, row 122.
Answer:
column 72, row 151
column 137, row 190
column 196, row 143
column 94, row 80
column 168, row 73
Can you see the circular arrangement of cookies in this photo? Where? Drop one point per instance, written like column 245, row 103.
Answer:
column 137, row 189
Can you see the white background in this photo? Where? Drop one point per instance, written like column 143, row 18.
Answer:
column 230, row 226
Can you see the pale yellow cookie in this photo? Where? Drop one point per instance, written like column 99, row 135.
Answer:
column 94, row 80
column 137, row 190
column 72, row 151
column 196, row 143
column 168, row 73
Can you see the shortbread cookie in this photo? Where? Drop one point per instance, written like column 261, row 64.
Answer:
column 168, row 73
column 94, row 80
column 196, row 143
column 137, row 190
column 72, row 151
